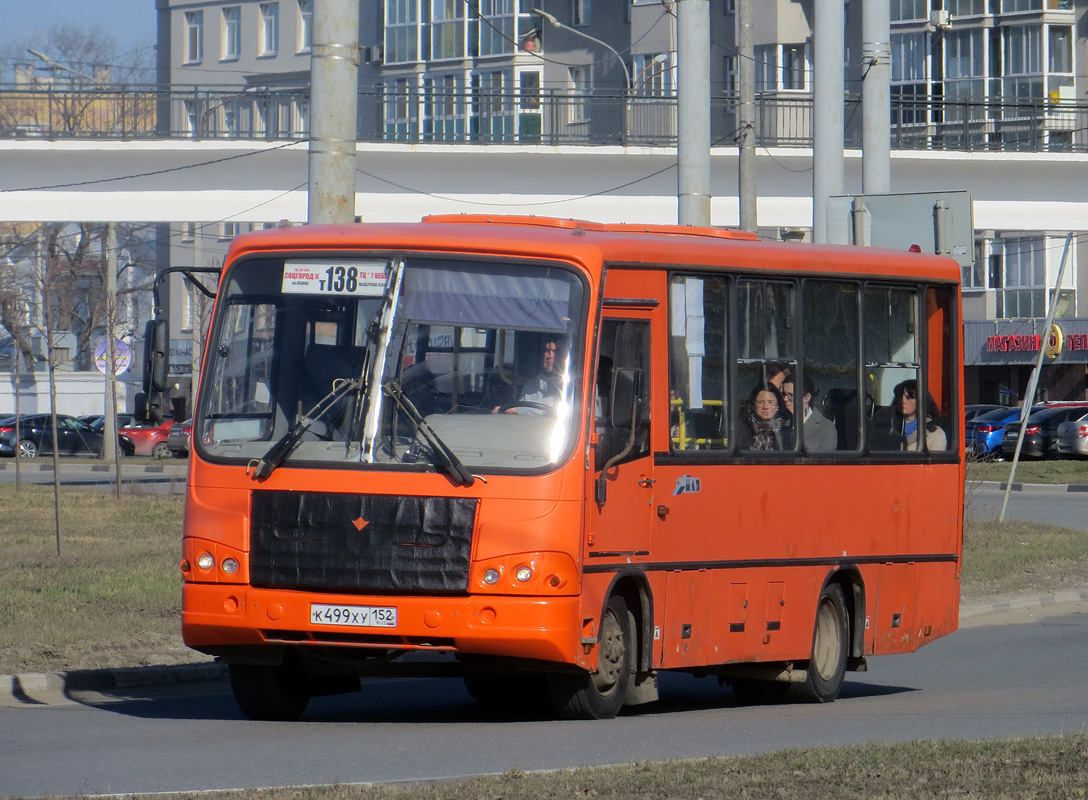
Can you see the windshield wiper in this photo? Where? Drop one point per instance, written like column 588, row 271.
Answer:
column 444, row 456
column 278, row 452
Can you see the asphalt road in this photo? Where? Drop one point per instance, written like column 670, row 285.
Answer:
column 1052, row 505
column 985, row 681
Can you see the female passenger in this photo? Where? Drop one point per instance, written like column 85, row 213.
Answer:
column 764, row 423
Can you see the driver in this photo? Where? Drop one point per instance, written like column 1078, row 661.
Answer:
column 543, row 389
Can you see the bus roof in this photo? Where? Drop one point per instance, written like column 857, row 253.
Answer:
column 588, row 243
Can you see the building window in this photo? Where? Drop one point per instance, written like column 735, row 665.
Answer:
column 581, row 12
column 447, row 29
column 729, row 75
column 496, row 28
column 794, row 67
column 766, row 67
column 270, row 29
column 232, row 33
column 228, row 230
column 1023, row 292
column 729, row 7
column 902, row 10
column 305, row 25
column 965, row 8
column 1023, row 63
column 188, row 231
column 194, row 36
column 401, row 31
column 580, row 86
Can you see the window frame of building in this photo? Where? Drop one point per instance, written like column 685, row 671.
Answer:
column 231, row 33
column 194, row 36
column 795, row 69
column 581, row 12
column 449, row 28
column 580, row 87
column 403, row 32
column 305, row 18
column 268, row 18
column 909, row 10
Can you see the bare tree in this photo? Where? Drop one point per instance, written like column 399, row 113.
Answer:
column 76, row 80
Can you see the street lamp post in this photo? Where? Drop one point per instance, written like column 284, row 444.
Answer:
column 51, row 64
column 626, row 72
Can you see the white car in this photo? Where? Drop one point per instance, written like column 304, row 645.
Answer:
column 1073, row 437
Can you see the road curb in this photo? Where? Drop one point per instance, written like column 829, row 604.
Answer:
column 1032, row 487
column 50, row 688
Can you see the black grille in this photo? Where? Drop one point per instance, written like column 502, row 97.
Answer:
column 361, row 544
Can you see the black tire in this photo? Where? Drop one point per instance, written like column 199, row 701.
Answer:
column 600, row 695
column 160, row 450
column 27, row 449
column 826, row 667
column 269, row 693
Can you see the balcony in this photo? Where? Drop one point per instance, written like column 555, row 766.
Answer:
column 544, row 117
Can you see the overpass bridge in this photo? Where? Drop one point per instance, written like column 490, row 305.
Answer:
column 184, row 180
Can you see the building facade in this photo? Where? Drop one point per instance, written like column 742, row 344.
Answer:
column 966, row 75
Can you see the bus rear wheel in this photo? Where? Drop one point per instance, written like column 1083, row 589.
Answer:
column 830, row 645
column 600, row 695
column 269, row 693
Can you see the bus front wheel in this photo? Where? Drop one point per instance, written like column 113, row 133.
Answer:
column 830, row 644
column 600, row 695
column 269, row 693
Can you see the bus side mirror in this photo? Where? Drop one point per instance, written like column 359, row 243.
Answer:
column 156, row 352
column 627, row 398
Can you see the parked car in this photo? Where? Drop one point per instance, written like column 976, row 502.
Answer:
column 977, row 409
column 74, row 437
column 1040, row 432
column 1073, row 437
column 178, row 440
column 983, row 434
column 150, row 439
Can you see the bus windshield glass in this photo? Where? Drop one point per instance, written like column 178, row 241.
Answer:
column 412, row 361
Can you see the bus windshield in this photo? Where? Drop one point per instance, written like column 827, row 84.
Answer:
column 405, row 361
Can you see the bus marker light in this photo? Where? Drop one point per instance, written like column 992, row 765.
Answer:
column 206, row 561
column 491, row 577
column 185, row 565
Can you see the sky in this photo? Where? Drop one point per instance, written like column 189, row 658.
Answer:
column 130, row 22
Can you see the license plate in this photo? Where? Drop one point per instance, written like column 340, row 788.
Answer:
column 353, row 616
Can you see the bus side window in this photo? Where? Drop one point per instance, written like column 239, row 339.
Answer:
column 939, row 346
column 892, row 368
column 831, row 374
column 698, row 390
column 766, row 356
column 624, row 344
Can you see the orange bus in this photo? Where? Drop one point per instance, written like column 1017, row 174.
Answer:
column 556, row 458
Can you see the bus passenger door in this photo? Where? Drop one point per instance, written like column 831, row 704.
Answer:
column 622, row 495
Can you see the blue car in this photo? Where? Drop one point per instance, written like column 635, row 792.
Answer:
column 984, row 433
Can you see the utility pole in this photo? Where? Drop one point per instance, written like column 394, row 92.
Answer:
column 693, row 110
column 827, row 92
column 876, row 108
column 746, row 119
column 109, row 424
column 334, row 101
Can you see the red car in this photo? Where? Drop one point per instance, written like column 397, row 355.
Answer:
column 150, row 440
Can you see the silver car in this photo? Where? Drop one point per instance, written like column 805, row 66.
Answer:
column 1073, row 437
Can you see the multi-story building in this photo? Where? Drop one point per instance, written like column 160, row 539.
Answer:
column 966, row 75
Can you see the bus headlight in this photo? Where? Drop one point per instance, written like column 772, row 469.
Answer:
column 230, row 566
column 491, row 577
column 524, row 574
column 205, row 561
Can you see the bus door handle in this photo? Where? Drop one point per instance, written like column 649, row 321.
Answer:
column 645, row 482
